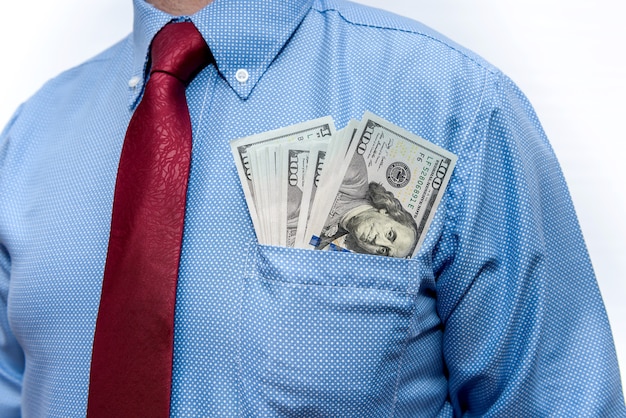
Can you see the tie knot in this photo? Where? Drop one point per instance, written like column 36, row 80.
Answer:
column 180, row 50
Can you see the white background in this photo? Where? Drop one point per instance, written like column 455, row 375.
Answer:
column 567, row 56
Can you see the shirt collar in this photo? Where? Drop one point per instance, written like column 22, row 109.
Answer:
column 242, row 34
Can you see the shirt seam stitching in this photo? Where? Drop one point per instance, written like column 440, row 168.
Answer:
column 405, row 345
column 245, row 274
column 404, row 292
column 470, row 174
column 368, row 25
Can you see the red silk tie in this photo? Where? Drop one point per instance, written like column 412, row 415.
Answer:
column 131, row 367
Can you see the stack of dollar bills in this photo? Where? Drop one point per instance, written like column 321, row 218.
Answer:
column 371, row 187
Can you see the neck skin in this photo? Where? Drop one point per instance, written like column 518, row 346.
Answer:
column 179, row 7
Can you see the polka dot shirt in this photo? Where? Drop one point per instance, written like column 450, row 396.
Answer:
column 498, row 314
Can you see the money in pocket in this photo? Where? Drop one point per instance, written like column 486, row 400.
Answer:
column 372, row 187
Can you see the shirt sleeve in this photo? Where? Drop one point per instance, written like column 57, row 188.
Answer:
column 525, row 329
column 11, row 354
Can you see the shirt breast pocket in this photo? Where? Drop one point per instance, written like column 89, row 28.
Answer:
column 322, row 332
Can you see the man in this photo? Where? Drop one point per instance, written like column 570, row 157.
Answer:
column 497, row 315
column 368, row 218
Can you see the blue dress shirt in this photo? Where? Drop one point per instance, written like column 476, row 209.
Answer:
column 498, row 315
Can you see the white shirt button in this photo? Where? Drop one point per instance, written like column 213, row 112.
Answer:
column 242, row 75
column 132, row 83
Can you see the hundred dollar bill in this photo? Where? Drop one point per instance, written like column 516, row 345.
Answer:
column 331, row 178
column 276, row 197
column 272, row 208
column 295, row 166
column 263, row 171
column 388, row 194
column 317, row 158
column 257, row 156
column 318, row 129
